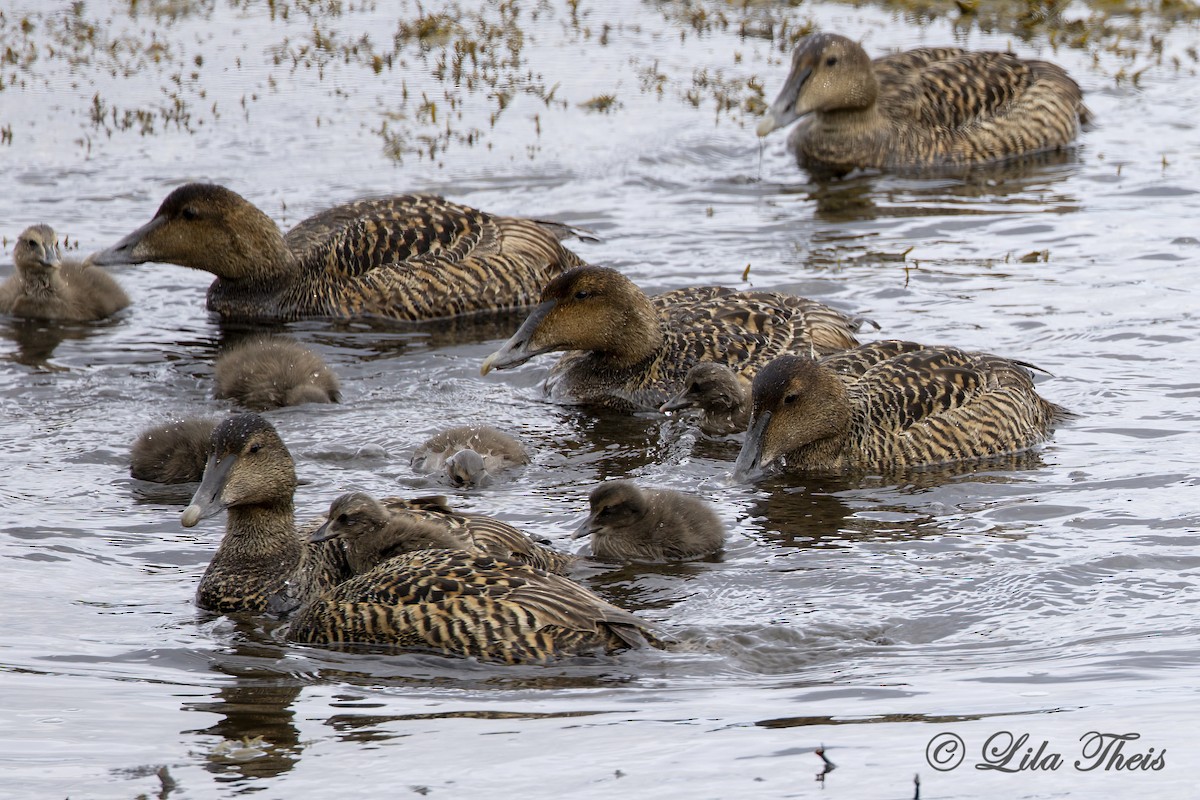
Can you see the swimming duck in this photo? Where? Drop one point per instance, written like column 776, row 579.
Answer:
column 407, row 257
column 271, row 372
column 47, row 287
column 634, row 351
column 720, row 394
column 175, row 452
column 890, row 405
column 629, row 523
column 930, row 107
column 456, row 603
column 469, row 455
column 263, row 564
column 378, row 530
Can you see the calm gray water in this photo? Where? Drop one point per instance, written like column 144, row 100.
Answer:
column 1051, row 597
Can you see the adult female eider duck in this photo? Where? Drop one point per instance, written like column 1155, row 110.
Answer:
column 408, row 257
column 455, row 603
column 469, row 455
column 931, row 107
column 721, row 396
column 629, row 523
column 268, row 372
column 263, row 564
column 382, row 529
column 891, row 405
column 634, row 351
column 45, row 286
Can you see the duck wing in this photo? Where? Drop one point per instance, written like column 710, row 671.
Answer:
column 455, row 603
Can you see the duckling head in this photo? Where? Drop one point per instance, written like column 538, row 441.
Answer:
column 36, row 250
column 829, row 73
column 588, row 308
column 467, row 468
column 709, row 386
column 249, row 465
column 371, row 533
column 797, row 403
column 615, row 505
column 207, row 227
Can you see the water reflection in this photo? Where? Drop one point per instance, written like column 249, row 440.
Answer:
column 36, row 340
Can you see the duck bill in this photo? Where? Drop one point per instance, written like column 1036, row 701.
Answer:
column 584, row 530
column 207, row 502
column 677, row 403
column 750, row 461
column 323, row 533
column 129, row 250
column 783, row 111
column 517, row 349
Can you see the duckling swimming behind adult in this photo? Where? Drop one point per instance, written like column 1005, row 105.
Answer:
column 175, row 452
column 720, row 394
column 635, row 351
column 264, row 564
column 469, row 455
column 629, row 523
column 47, row 287
column 930, row 107
column 407, row 257
column 890, row 405
column 271, row 372
column 375, row 530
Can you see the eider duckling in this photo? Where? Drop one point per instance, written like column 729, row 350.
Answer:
column 930, row 107
column 45, row 286
column 628, row 523
column 720, row 395
column 271, row 372
column 891, row 405
column 470, row 455
column 459, row 604
column 263, row 564
column 175, row 452
column 382, row 529
column 634, row 351
column 407, row 257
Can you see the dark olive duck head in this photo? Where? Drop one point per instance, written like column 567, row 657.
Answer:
column 797, row 404
column 206, row 227
column 249, row 465
column 36, row 250
column 614, row 505
column 829, row 73
column 711, row 387
column 595, row 309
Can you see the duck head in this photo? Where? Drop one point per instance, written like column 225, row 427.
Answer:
column 249, row 465
column 829, row 73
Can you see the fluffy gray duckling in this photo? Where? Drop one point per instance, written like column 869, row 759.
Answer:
column 628, row 523
column 470, row 455
column 271, row 372
column 175, row 452
column 47, row 287
column 720, row 395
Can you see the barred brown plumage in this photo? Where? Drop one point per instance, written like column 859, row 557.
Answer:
column 44, row 286
column 456, row 603
column 634, row 351
column 406, row 257
column 373, row 531
column 928, row 107
column 890, row 405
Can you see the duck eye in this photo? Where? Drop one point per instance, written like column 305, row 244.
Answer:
column 254, row 448
column 791, row 398
column 582, row 294
column 189, row 213
column 831, row 61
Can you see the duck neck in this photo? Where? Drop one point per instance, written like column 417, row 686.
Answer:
column 637, row 338
column 42, row 284
column 261, row 537
column 850, row 122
